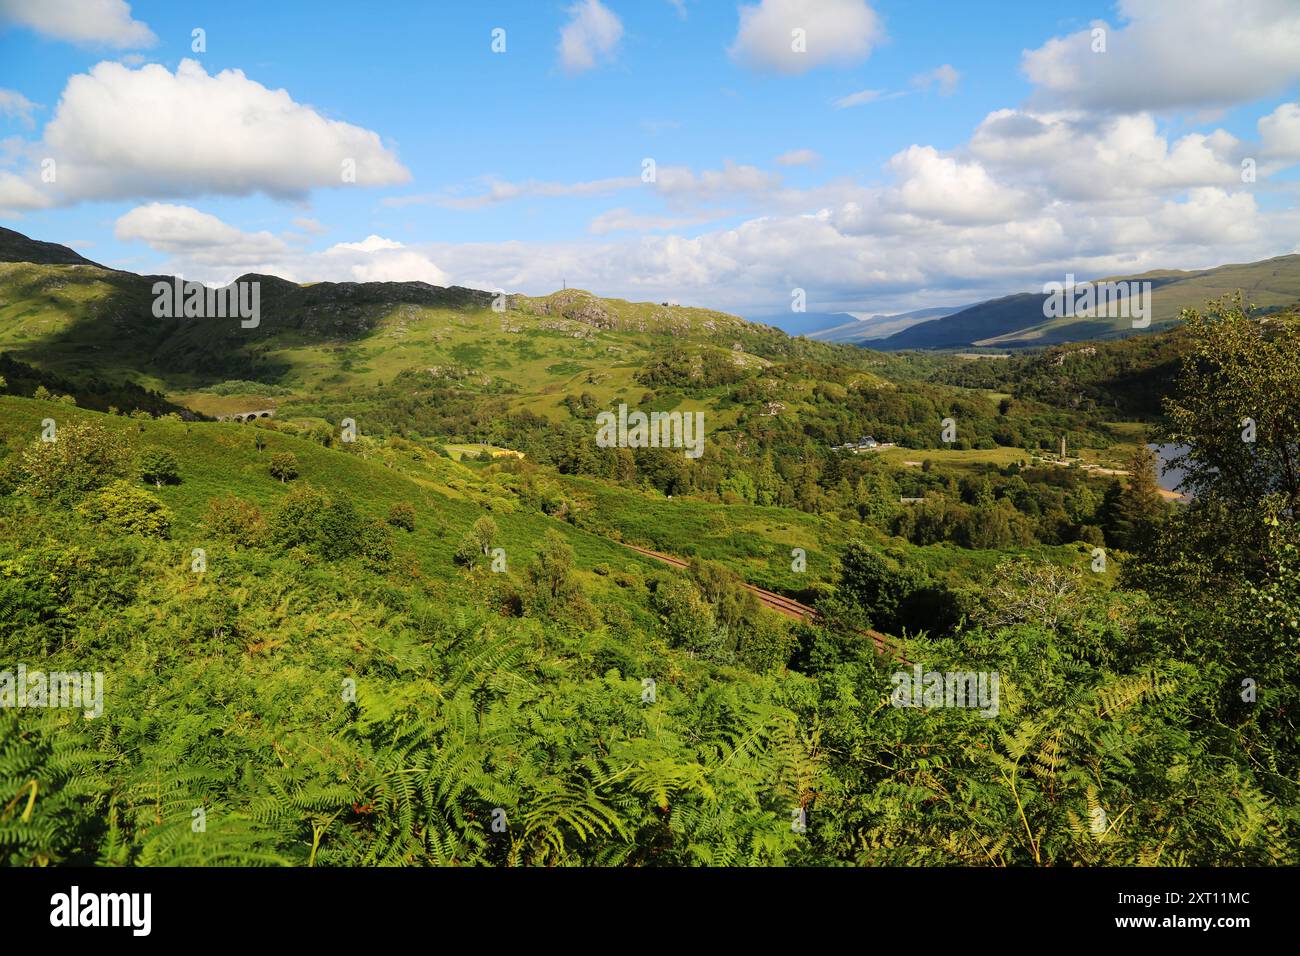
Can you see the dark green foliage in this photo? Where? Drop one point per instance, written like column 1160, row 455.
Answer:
column 402, row 515
column 283, row 466
column 48, row 791
column 159, row 467
column 476, row 542
column 84, row 456
column 331, row 527
column 1135, row 510
column 552, row 586
column 235, row 518
column 124, row 507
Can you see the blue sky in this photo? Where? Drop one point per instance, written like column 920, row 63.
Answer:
column 992, row 150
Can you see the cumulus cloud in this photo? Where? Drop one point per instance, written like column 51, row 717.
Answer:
column 122, row 133
column 1075, row 155
column 377, row 259
column 590, row 36
column 90, row 22
column 368, row 244
column 1279, row 132
column 1210, row 217
column 1173, row 55
column 196, row 236
column 201, row 246
column 794, row 36
column 942, row 188
column 18, row 195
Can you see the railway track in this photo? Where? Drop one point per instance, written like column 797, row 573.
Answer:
column 782, row 604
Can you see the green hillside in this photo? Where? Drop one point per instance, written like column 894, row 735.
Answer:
column 1017, row 321
column 93, row 322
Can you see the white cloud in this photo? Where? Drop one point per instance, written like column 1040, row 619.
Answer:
column 196, row 236
column 18, row 195
column 369, row 244
column 1211, row 217
column 1279, row 132
column 942, row 188
column 1074, row 155
column 1174, row 55
column 590, row 36
column 17, row 106
column 797, row 157
column 201, row 246
column 122, row 133
column 401, row 265
column 106, row 22
column 833, row 32
column 944, row 77
column 374, row 259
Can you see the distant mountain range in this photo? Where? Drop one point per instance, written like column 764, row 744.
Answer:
column 854, row 329
column 800, row 323
column 1019, row 321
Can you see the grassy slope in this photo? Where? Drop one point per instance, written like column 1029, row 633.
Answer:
column 1018, row 320
column 330, row 338
column 220, row 459
column 756, row 541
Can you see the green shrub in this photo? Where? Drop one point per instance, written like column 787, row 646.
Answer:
column 84, row 457
column 402, row 515
column 236, row 518
column 124, row 507
column 284, row 466
column 159, row 467
column 330, row 527
column 467, row 552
